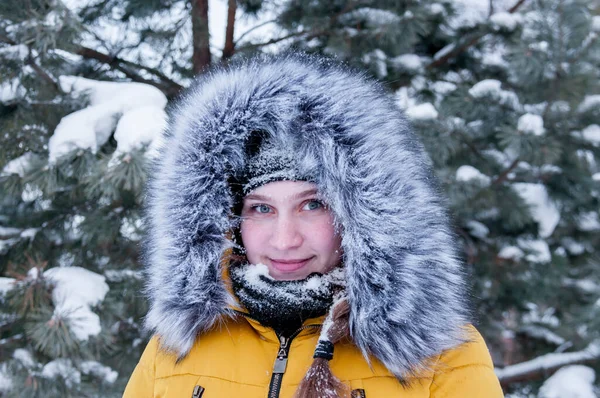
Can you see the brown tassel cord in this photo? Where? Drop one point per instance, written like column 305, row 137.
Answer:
column 319, row 382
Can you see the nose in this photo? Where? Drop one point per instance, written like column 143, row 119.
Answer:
column 286, row 234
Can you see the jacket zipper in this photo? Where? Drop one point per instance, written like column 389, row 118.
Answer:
column 282, row 356
column 281, row 361
column 279, row 368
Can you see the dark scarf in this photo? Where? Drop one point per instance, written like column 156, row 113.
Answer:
column 284, row 305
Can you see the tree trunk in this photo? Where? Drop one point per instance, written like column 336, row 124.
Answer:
column 200, row 35
column 229, row 48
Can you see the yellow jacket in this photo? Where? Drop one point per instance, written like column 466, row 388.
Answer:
column 236, row 360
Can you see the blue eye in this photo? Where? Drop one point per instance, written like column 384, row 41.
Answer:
column 262, row 209
column 313, row 205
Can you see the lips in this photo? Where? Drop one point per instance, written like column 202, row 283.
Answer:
column 291, row 265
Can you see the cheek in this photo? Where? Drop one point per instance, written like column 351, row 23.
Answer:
column 252, row 239
column 325, row 239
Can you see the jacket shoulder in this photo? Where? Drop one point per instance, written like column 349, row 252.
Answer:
column 141, row 382
column 466, row 371
column 473, row 352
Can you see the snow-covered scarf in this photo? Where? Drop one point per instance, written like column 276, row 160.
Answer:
column 284, row 305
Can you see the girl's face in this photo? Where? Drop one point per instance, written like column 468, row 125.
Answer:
column 286, row 227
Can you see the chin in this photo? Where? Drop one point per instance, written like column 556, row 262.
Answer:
column 277, row 275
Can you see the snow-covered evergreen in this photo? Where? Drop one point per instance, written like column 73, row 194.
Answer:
column 506, row 98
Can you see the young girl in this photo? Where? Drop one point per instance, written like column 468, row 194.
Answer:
column 299, row 247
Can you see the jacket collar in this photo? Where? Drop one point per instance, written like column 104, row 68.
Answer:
column 310, row 327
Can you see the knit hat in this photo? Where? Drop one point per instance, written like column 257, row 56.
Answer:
column 269, row 161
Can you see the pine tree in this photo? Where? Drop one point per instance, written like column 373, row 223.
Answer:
column 68, row 223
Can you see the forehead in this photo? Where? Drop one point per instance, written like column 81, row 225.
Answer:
column 282, row 190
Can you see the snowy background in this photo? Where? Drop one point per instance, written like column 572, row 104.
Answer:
column 517, row 159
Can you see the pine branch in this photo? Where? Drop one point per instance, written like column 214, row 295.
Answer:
column 470, row 42
column 504, row 175
column 42, row 73
column 31, row 62
column 350, row 6
column 12, row 339
column 88, row 52
column 556, row 83
column 310, row 34
column 499, row 180
column 169, row 87
column 7, row 40
column 9, row 233
column 8, row 323
column 252, row 29
column 514, row 8
column 472, row 147
column 587, row 45
column 546, row 364
column 451, row 54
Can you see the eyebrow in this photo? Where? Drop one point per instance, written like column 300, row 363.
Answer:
column 298, row 195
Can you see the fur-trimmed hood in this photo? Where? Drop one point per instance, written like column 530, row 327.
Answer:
column 405, row 282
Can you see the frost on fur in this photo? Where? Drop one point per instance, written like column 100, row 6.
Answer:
column 404, row 279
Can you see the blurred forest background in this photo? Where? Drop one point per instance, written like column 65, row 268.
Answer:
column 505, row 94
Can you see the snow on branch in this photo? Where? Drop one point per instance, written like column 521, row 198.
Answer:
column 76, row 290
column 467, row 42
column 549, row 363
column 134, row 112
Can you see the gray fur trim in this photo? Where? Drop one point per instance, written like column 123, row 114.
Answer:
column 405, row 280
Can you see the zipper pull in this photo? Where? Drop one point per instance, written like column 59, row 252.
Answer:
column 198, row 391
column 281, row 360
column 358, row 393
column 283, row 342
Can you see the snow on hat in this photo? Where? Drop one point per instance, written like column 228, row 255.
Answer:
column 270, row 162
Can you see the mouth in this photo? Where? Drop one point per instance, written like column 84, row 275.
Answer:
column 289, row 265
